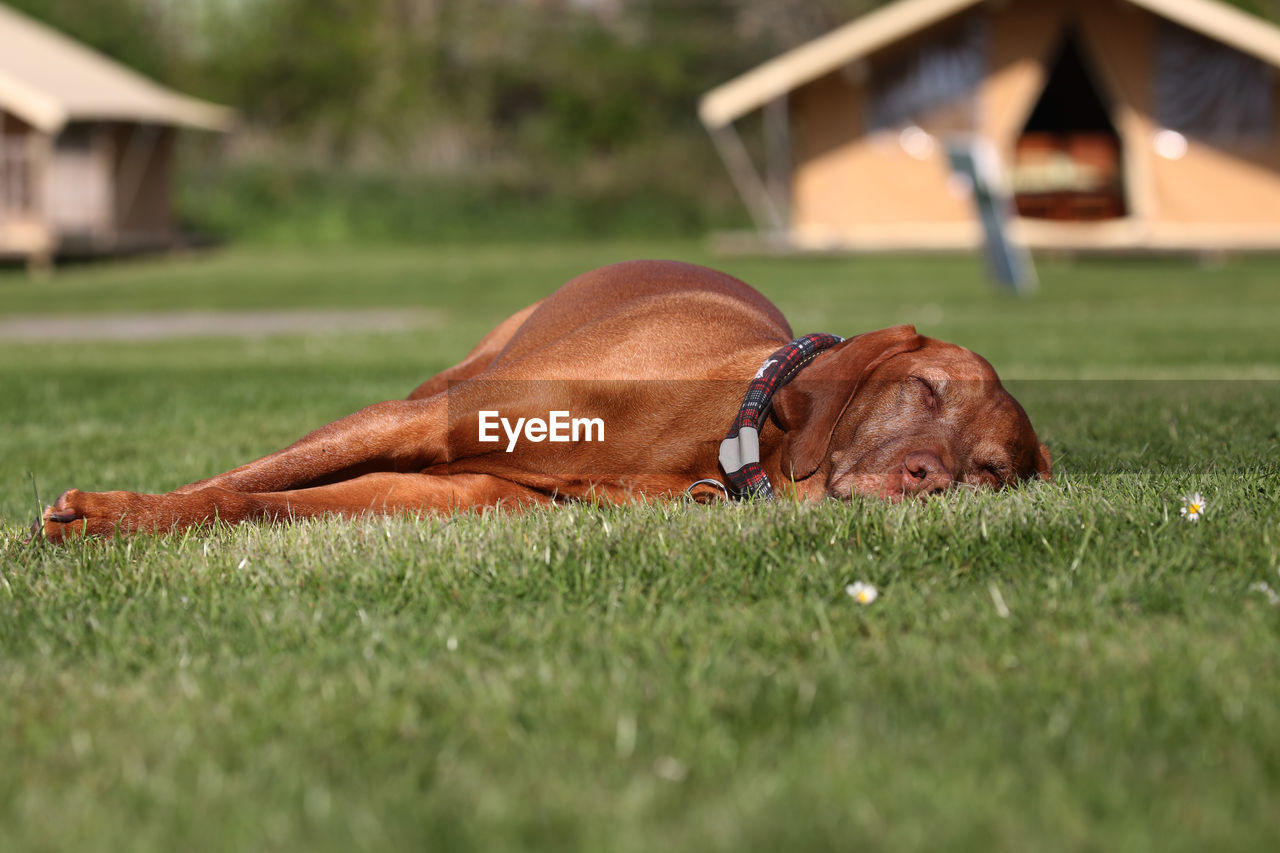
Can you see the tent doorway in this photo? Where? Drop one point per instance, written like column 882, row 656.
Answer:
column 1067, row 162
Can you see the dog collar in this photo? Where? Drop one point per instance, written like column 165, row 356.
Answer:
column 740, row 451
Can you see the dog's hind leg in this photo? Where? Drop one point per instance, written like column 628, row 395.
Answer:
column 106, row 513
column 398, row 435
column 480, row 357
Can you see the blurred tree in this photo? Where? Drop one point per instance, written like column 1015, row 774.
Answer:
column 300, row 66
column 132, row 32
column 560, row 78
column 593, row 97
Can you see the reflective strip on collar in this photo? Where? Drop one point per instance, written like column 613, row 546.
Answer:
column 742, row 449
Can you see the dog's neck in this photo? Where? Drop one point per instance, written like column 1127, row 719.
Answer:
column 740, row 451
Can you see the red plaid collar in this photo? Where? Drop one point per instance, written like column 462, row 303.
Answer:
column 740, row 451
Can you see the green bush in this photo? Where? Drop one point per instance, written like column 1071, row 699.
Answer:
column 273, row 204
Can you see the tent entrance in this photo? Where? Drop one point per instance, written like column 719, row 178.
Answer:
column 1067, row 161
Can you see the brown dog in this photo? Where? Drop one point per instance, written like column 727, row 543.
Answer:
column 619, row 385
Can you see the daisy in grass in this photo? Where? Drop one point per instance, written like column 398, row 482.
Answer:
column 863, row 593
column 1194, row 507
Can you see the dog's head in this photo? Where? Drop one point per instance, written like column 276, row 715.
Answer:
column 893, row 414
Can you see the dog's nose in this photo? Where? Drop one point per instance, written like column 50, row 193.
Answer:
column 923, row 473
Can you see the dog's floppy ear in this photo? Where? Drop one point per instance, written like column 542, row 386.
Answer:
column 1044, row 464
column 810, row 406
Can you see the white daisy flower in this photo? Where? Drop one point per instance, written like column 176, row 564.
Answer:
column 1273, row 597
column 863, row 593
column 1194, row 507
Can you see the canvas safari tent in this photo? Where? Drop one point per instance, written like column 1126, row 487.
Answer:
column 86, row 146
column 1118, row 124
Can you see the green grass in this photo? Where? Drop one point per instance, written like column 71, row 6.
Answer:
column 660, row 676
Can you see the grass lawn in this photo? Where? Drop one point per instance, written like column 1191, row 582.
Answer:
column 1069, row 666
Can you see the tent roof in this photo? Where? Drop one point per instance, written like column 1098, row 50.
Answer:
column 888, row 24
column 48, row 79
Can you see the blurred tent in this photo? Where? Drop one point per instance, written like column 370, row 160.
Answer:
column 86, row 147
column 1119, row 124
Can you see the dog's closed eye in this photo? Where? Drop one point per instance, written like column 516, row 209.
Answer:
column 929, row 392
column 991, row 472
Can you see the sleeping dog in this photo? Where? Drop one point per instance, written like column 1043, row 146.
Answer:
column 646, row 379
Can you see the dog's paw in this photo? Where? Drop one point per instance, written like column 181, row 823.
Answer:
column 78, row 513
